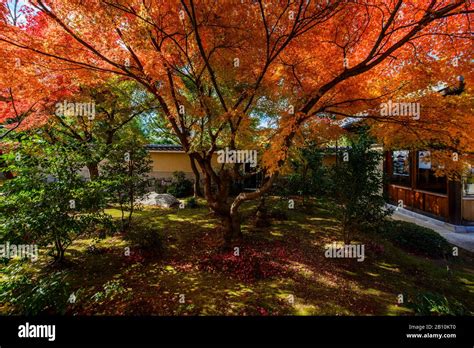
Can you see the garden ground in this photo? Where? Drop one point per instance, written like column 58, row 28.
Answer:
column 280, row 270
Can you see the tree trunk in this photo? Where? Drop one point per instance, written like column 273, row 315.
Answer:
column 217, row 197
column 93, row 170
column 261, row 215
column 59, row 257
column 197, row 179
column 346, row 231
column 131, row 197
column 129, row 219
column 231, row 225
column 124, row 225
column 197, row 189
column 305, row 174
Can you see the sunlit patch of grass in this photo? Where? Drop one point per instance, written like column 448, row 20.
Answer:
column 394, row 310
column 322, row 219
column 276, row 233
column 331, row 308
column 81, row 244
column 239, row 292
column 301, row 269
column 304, row 309
column 284, row 295
column 350, row 273
column 179, row 218
column 468, row 284
column 207, row 225
column 170, row 269
column 115, row 213
column 371, row 291
column 326, row 281
column 388, row 267
column 372, row 274
column 277, row 284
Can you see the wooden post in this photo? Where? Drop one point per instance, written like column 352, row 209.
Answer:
column 386, row 174
column 454, row 202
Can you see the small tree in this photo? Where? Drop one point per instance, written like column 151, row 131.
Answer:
column 125, row 171
column 48, row 202
column 117, row 107
column 356, row 185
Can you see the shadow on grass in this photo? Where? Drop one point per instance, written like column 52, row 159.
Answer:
column 305, row 282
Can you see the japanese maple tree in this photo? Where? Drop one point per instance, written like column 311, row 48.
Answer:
column 256, row 74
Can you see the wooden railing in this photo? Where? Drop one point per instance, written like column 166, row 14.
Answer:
column 432, row 203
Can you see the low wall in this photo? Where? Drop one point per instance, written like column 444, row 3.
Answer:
column 434, row 204
column 468, row 209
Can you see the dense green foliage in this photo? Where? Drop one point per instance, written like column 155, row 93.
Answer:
column 416, row 239
column 180, row 187
column 145, row 236
column 436, row 304
column 48, row 202
column 356, row 186
column 307, row 174
column 47, row 294
column 125, row 172
column 191, row 202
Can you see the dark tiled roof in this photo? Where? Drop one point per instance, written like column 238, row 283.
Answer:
column 164, row 147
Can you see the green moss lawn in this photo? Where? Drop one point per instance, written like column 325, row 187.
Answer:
column 280, row 270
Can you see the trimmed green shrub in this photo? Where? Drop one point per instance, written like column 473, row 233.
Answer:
column 180, row 187
column 416, row 239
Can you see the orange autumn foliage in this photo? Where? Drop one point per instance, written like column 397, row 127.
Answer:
column 254, row 74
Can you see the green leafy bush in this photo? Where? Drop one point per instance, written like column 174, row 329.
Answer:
column 191, row 203
column 32, row 296
column 308, row 175
column 435, row 304
column 159, row 186
column 112, row 289
column 356, row 186
column 180, row 187
column 416, row 239
column 48, row 202
column 145, row 236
